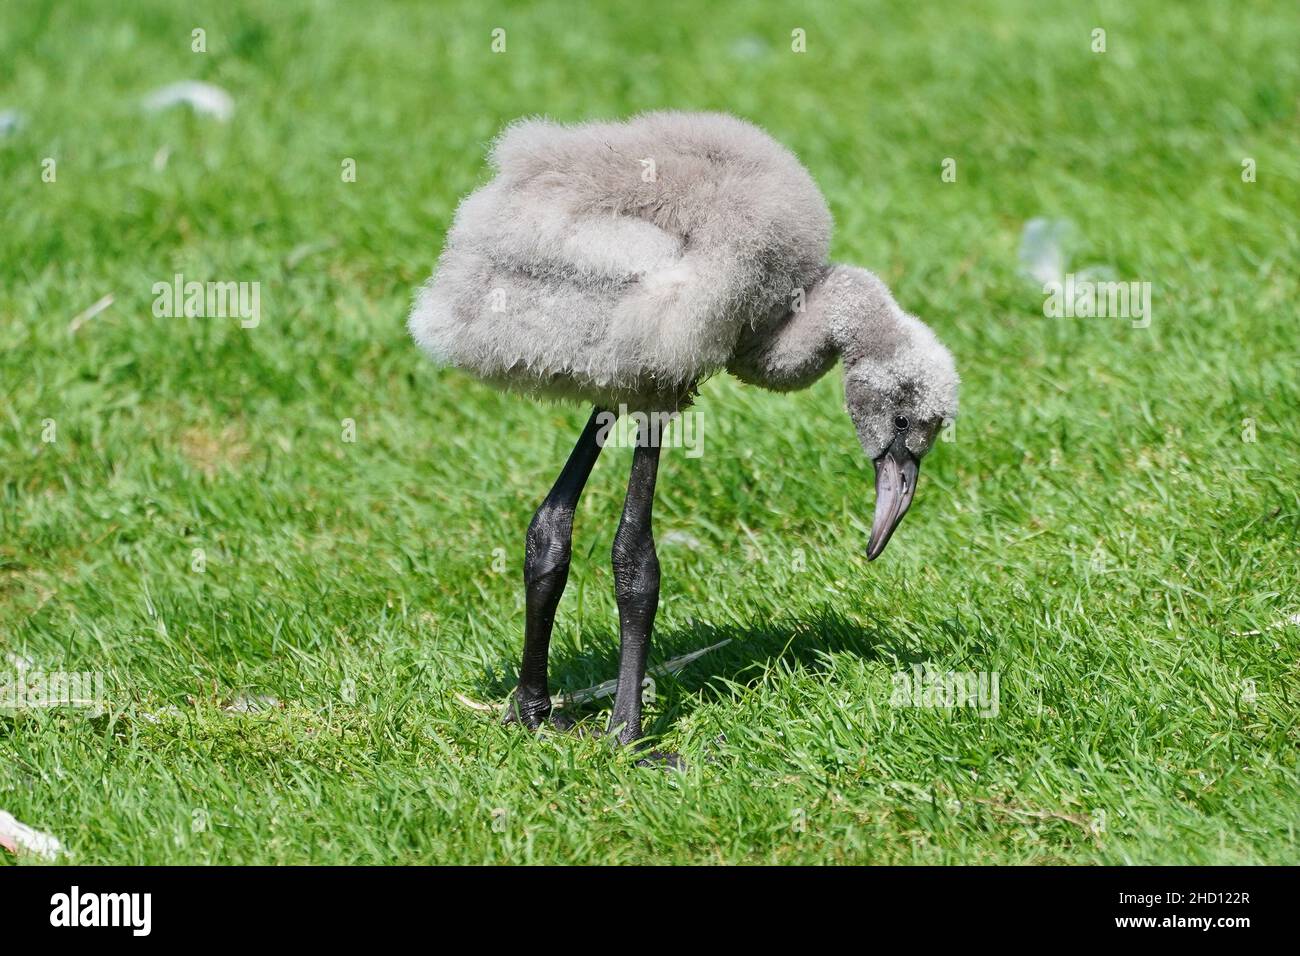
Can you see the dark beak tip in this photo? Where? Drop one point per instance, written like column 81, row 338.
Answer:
column 896, row 473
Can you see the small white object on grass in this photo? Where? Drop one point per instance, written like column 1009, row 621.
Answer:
column 204, row 98
column 20, row 838
column 252, row 704
column 170, row 710
column 1294, row 619
column 82, row 318
column 11, row 121
column 682, row 537
column 749, row 47
column 1044, row 249
column 605, row 689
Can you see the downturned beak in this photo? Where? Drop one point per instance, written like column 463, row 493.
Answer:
column 896, row 473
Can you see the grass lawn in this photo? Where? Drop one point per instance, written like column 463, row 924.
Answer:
column 1113, row 531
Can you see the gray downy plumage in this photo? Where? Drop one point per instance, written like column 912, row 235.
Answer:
column 624, row 263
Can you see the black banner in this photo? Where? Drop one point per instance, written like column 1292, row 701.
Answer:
column 300, row 905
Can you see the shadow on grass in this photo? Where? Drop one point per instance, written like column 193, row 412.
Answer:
column 753, row 649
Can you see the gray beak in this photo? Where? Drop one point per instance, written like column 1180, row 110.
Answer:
column 896, row 473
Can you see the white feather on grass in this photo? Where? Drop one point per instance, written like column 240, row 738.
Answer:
column 607, row 688
column 604, row 689
column 19, row 838
column 11, row 121
column 204, row 98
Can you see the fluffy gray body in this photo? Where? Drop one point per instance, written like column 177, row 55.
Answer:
column 623, row 263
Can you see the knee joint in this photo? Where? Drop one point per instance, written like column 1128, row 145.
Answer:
column 547, row 546
column 636, row 566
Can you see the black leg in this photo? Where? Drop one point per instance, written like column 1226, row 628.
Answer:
column 546, row 569
column 636, row 585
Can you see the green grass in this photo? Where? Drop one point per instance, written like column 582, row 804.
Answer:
column 1099, row 534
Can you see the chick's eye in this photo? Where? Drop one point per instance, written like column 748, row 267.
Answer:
column 901, row 423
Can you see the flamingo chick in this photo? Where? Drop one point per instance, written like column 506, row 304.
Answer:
column 621, row 264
